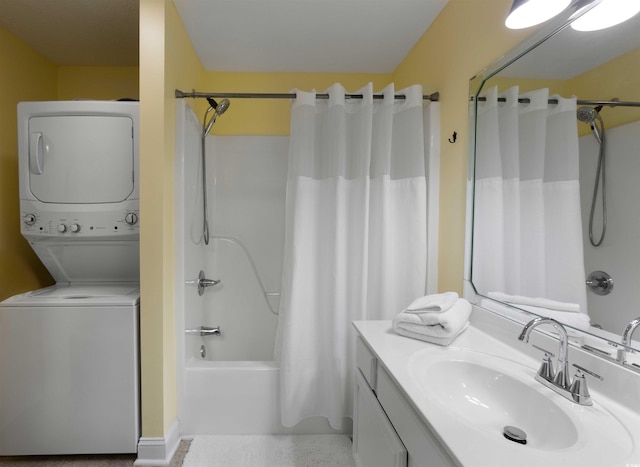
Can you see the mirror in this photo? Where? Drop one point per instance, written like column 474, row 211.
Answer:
column 532, row 176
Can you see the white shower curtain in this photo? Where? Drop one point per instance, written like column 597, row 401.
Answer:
column 355, row 242
column 527, row 222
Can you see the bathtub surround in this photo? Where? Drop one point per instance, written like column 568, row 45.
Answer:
column 234, row 387
column 355, row 238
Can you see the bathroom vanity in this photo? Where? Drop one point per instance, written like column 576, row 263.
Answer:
column 419, row 404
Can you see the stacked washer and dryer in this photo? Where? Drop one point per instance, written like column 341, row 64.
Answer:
column 69, row 358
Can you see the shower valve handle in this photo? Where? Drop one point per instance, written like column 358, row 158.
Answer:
column 203, row 282
column 204, row 331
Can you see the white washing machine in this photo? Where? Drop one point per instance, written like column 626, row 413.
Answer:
column 69, row 357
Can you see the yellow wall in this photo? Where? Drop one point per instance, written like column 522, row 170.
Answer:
column 25, row 75
column 617, row 78
column 167, row 62
column 97, row 82
column 466, row 37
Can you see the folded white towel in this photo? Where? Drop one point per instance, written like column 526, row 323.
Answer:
column 535, row 301
column 577, row 320
column 443, row 341
column 437, row 327
column 433, row 303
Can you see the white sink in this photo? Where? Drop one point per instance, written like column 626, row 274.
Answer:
column 485, row 393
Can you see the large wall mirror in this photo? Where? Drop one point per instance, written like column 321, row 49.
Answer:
column 554, row 180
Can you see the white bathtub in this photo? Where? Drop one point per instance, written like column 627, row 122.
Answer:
column 236, row 398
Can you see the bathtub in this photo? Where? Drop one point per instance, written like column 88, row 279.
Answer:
column 237, row 398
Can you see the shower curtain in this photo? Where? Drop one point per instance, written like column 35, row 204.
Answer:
column 355, row 241
column 527, row 221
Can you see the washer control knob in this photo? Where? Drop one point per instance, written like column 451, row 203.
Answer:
column 62, row 228
column 29, row 219
column 75, row 228
column 131, row 218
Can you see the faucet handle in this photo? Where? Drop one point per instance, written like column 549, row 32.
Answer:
column 546, row 369
column 580, row 369
column 550, row 354
column 579, row 390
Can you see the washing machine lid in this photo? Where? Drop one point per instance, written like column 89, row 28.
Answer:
column 68, row 295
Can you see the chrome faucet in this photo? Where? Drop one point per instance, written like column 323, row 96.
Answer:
column 562, row 376
column 560, row 382
column 626, row 339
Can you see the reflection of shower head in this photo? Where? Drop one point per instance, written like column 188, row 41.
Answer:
column 589, row 115
column 218, row 108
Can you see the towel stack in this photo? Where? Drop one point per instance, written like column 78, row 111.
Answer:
column 564, row 312
column 437, row 318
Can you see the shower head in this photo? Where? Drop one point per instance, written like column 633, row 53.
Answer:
column 589, row 115
column 218, row 108
column 222, row 106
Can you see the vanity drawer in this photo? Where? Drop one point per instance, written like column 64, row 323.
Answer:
column 366, row 362
column 423, row 447
column 375, row 442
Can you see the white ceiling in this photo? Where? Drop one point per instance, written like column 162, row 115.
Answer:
column 571, row 53
column 76, row 32
column 355, row 36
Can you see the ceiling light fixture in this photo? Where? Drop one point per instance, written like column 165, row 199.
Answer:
column 527, row 13
column 606, row 14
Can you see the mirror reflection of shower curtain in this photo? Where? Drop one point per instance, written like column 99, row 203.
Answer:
column 527, row 221
column 355, row 241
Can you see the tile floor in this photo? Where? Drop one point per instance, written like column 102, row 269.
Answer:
column 120, row 460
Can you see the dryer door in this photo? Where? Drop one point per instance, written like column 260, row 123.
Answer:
column 81, row 158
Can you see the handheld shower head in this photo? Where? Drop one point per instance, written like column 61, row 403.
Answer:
column 218, row 108
column 589, row 115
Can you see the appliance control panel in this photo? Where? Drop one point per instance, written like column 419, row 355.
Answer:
column 122, row 223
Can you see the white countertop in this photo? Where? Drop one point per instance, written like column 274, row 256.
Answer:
column 470, row 447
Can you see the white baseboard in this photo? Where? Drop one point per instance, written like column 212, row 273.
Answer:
column 159, row 451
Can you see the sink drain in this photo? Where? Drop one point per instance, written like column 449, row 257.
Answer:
column 514, row 434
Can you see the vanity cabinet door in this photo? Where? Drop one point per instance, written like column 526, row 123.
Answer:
column 424, row 449
column 375, row 442
column 367, row 363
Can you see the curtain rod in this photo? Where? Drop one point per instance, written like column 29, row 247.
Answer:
column 612, row 103
column 434, row 97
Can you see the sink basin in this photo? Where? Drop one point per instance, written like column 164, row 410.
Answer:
column 485, row 393
column 490, row 399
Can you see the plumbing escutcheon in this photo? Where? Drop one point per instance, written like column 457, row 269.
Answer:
column 600, row 283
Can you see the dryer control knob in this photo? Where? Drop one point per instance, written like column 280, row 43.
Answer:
column 75, row 228
column 62, row 228
column 131, row 218
column 29, row 219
